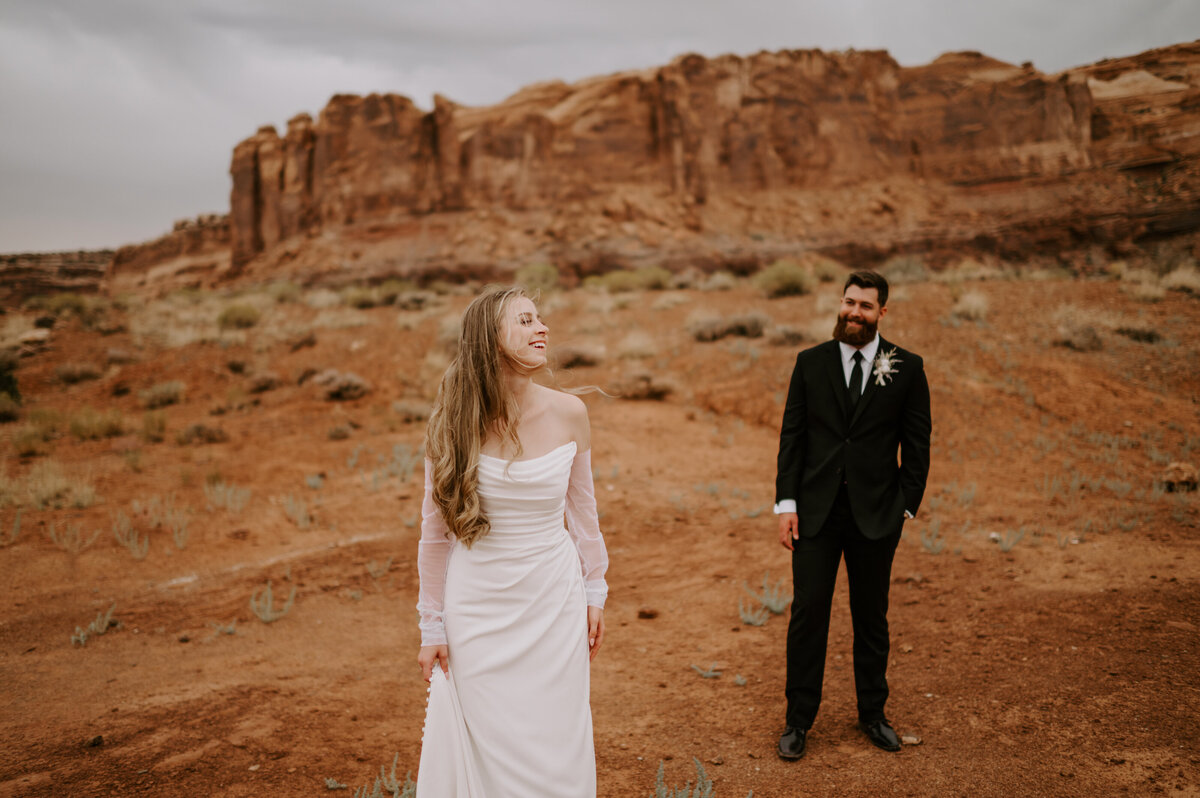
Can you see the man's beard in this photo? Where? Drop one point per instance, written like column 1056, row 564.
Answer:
column 860, row 337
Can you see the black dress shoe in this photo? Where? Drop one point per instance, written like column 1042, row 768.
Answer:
column 881, row 734
column 791, row 744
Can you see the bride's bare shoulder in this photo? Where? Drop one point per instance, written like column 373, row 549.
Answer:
column 572, row 411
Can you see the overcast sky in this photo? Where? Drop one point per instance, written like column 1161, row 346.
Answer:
column 119, row 116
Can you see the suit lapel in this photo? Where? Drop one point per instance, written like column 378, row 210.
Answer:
column 872, row 386
column 837, row 377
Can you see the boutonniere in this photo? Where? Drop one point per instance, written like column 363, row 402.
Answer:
column 885, row 366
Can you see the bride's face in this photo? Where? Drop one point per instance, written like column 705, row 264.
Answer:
column 523, row 335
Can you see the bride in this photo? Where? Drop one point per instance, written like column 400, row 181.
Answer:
column 511, row 600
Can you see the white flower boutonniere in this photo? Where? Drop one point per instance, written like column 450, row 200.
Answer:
column 885, row 366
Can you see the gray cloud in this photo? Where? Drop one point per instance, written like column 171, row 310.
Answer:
column 121, row 116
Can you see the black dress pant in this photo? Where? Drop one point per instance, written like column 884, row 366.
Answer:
column 814, row 572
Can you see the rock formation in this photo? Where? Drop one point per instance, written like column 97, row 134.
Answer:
column 24, row 275
column 734, row 157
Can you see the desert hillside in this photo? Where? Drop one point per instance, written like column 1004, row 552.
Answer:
column 175, row 454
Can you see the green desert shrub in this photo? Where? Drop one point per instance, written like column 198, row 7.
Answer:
column 825, row 269
column 785, row 278
column 649, row 278
column 389, row 291
column 538, row 277
column 238, row 316
column 92, row 312
column 361, row 297
column 901, row 269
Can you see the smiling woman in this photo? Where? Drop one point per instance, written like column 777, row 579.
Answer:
column 514, row 595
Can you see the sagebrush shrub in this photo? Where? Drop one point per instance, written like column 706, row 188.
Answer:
column 537, row 277
column 90, row 424
column 162, row 394
column 71, row 373
column 238, row 316
column 785, row 278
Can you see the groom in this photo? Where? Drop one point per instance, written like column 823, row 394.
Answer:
column 853, row 402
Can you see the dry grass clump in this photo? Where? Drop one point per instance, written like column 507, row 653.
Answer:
column 322, row 299
column 786, row 335
column 29, row 441
column 72, row 373
column 33, row 437
column 1077, row 329
column 718, row 281
column 283, row 291
column 785, row 278
column 411, row 411
column 969, row 269
column 162, row 394
column 1183, row 278
column 342, row 386
column 48, row 486
column 537, row 277
column 1145, row 291
column 824, row 268
column 708, row 328
column 94, row 313
column 971, row 306
column 644, row 385
column 154, row 426
column 668, row 301
column 636, row 345
column 200, row 433
column 901, row 269
column 648, row 278
column 238, row 316
column 90, row 424
column 569, row 356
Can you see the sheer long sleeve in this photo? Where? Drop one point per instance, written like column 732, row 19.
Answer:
column 583, row 524
column 433, row 554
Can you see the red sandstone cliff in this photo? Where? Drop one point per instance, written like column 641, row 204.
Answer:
column 733, row 157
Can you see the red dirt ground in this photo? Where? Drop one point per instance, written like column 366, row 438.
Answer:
column 1067, row 666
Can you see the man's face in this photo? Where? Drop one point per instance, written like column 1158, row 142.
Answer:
column 858, row 317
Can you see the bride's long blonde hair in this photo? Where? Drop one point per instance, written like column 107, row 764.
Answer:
column 473, row 402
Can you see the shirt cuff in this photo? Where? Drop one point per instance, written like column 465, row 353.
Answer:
column 785, row 506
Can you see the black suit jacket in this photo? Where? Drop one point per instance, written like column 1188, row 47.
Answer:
column 820, row 445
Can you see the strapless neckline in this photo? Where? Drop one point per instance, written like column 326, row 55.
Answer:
column 555, row 450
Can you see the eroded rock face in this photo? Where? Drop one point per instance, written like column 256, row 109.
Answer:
column 28, row 274
column 742, row 157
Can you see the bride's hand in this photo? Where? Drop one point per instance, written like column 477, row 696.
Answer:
column 595, row 631
column 431, row 655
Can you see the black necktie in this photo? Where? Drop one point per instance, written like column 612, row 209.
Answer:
column 856, row 377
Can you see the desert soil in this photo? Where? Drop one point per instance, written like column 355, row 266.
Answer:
column 1045, row 604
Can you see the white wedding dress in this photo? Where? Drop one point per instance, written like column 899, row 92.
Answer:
column 512, row 718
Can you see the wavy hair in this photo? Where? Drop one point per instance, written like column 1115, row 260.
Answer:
column 473, row 402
